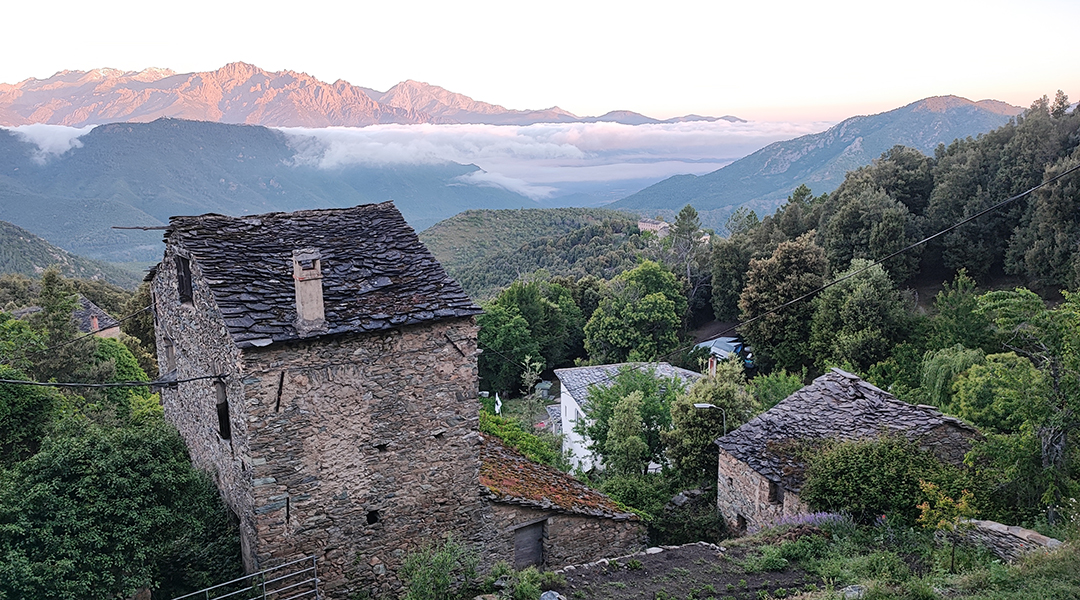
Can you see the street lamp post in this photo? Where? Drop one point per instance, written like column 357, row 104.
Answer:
column 722, row 411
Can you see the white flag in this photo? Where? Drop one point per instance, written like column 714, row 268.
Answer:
column 498, row 404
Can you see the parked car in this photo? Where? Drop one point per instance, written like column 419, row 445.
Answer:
column 723, row 347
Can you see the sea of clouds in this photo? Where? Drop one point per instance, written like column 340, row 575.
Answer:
column 544, row 161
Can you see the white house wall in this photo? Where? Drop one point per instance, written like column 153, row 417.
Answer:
column 573, row 442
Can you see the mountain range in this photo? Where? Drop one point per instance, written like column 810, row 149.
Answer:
column 765, row 178
column 140, row 174
column 243, row 93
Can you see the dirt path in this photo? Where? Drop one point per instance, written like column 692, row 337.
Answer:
column 695, row 572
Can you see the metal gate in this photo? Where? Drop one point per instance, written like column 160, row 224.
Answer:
column 290, row 581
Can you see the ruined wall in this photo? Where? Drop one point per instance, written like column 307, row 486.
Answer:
column 364, row 448
column 948, row 443
column 1009, row 543
column 192, row 339
column 743, row 492
column 568, row 539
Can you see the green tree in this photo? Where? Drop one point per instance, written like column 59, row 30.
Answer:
column 140, row 328
column 957, row 319
column 865, row 222
column 627, row 453
column 657, row 395
column 781, row 337
column 639, row 317
column 1050, row 339
column 100, row 512
column 730, row 261
column 940, row 368
column 859, row 319
column 768, row 390
column 690, row 442
column 1000, row 394
column 25, row 415
column 506, row 340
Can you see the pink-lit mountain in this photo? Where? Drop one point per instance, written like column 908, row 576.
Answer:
column 243, row 93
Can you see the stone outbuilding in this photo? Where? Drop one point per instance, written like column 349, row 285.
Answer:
column 574, row 384
column 758, row 479
column 547, row 518
column 326, row 377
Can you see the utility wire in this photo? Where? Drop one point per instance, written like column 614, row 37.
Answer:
column 116, row 384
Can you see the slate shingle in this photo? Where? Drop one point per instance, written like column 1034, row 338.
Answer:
column 376, row 273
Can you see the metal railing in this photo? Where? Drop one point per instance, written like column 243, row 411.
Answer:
column 289, row 581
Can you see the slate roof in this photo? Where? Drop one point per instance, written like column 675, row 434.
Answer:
column 510, row 478
column 376, row 273
column 837, row 405
column 576, row 380
column 85, row 312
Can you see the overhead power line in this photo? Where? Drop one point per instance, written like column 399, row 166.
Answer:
column 115, row 384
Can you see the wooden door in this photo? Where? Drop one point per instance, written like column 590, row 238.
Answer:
column 529, row 545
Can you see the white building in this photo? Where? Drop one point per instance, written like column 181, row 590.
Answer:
column 574, row 384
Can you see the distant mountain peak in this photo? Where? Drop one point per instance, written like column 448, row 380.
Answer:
column 240, row 92
column 941, row 104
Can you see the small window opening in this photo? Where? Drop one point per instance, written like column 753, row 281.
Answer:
column 224, row 425
column 741, row 523
column 170, row 355
column 731, row 482
column 372, row 517
column 183, row 280
column 776, row 493
column 288, row 509
column 382, row 447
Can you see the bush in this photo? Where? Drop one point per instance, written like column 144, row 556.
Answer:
column 770, row 559
column 870, row 478
column 25, row 413
column 439, row 572
column 542, row 449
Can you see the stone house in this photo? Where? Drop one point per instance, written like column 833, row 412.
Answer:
column 88, row 317
column 758, row 479
column 574, row 384
column 343, row 421
column 548, row 518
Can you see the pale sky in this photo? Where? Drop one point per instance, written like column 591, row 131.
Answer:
column 768, row 60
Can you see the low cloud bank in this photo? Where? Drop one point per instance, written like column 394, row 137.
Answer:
column 51, row 140
column 549, row 158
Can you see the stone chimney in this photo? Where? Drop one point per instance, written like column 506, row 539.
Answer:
column 307, row 275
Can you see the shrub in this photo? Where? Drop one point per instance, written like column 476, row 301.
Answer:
column 870, row 478
column 439, row 572
column 770, row 559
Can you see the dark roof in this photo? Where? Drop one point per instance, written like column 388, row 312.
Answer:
column 85, row 312
column 577, row 380
column 376, row 273
column 838, row 406
column 510, row 478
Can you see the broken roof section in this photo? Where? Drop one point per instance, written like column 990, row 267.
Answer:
column 576, row 380
column 376, row 274
column 511, row 478
column 836, row 406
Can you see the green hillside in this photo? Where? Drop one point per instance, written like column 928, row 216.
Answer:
column 25, row 253
column 143, row 173
column 762, row 180
column 486, row 250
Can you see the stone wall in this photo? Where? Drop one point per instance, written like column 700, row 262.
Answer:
column 365, row 448
column 1008, row 542
column 568, row 539
column 192, row 340
column 744, row 499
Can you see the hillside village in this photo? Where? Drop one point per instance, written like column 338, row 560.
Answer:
column 888, row 417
